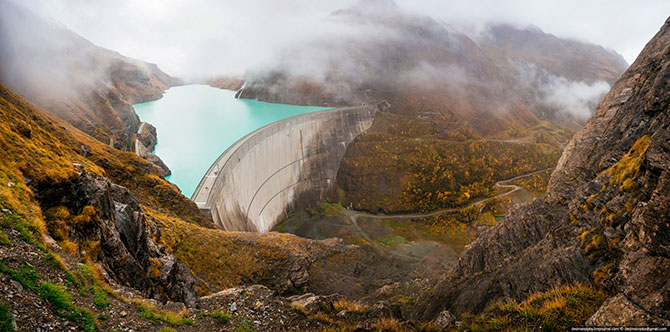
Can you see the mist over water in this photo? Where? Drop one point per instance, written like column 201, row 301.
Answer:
column 197, row 123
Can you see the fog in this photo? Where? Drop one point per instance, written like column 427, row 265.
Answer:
column 201, row 38
column 578, row 98
column 575, row 97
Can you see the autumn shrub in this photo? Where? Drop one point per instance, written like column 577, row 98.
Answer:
column 57, row 222
column 149, row 311
column 351, row 306
column 391, row 325
column 627, row 170
column 554, row 310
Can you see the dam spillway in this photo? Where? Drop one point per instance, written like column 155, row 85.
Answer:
column 280, row 168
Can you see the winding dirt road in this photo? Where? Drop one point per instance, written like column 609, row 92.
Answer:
column 353, row 215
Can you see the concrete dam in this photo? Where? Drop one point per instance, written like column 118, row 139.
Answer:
column 279, row 169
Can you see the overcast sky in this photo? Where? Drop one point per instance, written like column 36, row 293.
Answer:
column 198, row 38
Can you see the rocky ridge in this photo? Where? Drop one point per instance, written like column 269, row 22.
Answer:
column 604, row 220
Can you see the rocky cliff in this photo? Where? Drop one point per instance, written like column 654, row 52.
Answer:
column 66, row 75
column 604, row 220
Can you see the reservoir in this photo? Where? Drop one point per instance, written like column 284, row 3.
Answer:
column 197, row 123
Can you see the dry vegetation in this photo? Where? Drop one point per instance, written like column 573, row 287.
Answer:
column 555, row 310
column 627, row 170
column 536, row 183
column 412, row 166
column 223, row 258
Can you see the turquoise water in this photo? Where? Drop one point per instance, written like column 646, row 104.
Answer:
column 196, row 123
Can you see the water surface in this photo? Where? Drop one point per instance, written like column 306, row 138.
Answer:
column 196, row 123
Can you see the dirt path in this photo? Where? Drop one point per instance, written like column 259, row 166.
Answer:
column 517, row 140
column 353, row 214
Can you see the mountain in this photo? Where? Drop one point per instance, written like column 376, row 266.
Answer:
column 604, row 219
column 422, row 65
column 88, row 86
column 572, row 59
column 505, row 102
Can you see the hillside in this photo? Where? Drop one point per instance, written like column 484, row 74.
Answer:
column 81, row 220
column 510, row 91
column 603, row 222
column 69, row 77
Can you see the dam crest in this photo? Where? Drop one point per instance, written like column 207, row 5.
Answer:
column 281, row 168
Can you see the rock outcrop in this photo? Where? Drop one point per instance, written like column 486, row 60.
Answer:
column 114, row 231
column 145, row 144
column 226, row 82
column 604, row 220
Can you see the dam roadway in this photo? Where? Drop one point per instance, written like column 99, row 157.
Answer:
column 279, row 169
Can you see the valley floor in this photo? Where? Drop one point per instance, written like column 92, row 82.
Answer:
column 439, row 235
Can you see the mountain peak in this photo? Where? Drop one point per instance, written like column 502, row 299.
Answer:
column 371, row 8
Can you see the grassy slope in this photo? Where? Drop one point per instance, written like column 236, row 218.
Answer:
column 554, row 310
column 46, row 151
column 40, row 151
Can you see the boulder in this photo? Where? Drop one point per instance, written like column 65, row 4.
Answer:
column 620, row 311
column 445, row 320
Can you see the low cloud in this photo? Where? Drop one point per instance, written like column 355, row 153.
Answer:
column 428, row 76
column 206, row 37
column 576, row 98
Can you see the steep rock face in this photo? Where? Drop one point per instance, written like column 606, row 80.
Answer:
column 68, row 76
column 121, row 236
column 604, row 220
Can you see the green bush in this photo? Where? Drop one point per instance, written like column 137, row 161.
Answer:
column 63, row 306
column 6, row 319
column 221, row 315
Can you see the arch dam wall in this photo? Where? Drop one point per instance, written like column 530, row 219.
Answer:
column 280, row 168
